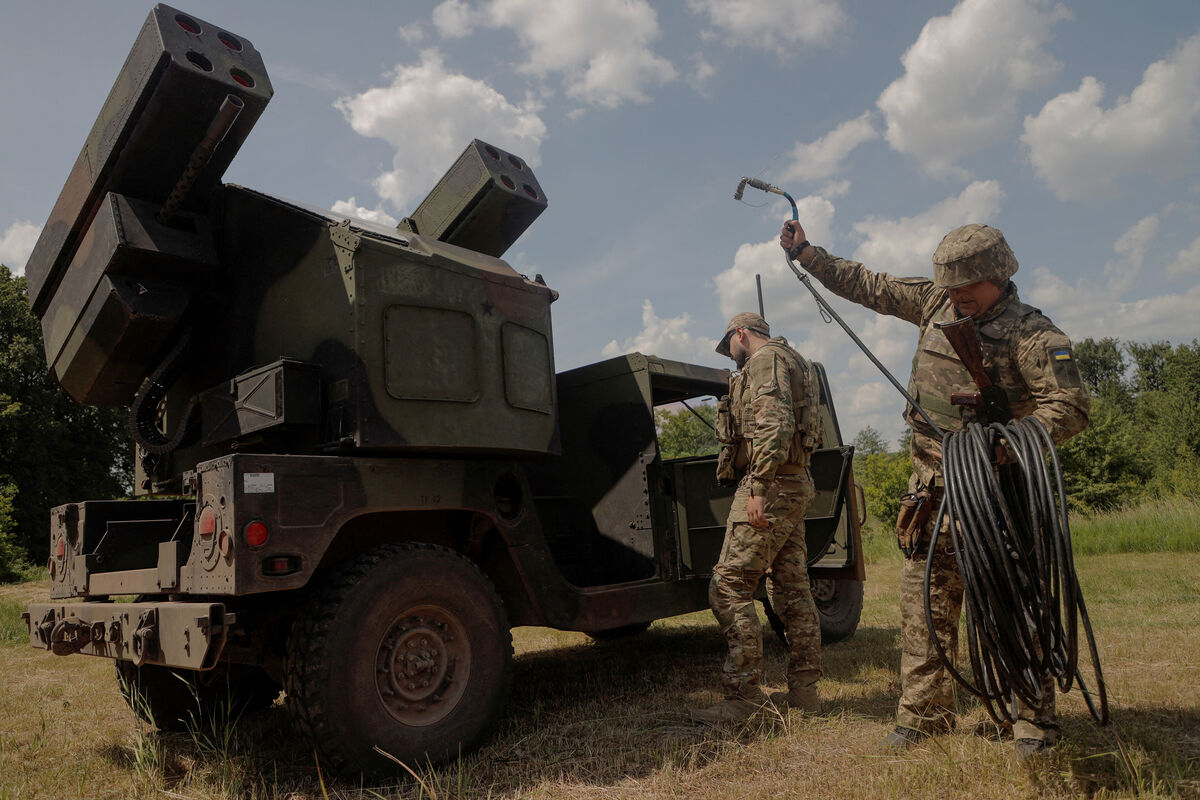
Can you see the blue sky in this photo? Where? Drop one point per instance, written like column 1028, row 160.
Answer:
column 1073, row 127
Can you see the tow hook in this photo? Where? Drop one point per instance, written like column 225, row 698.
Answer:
column 45, row 628
column 70, row 636
column 145, row 637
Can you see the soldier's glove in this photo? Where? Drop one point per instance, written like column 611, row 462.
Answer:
column 915, row 509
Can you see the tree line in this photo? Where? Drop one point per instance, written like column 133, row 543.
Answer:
column 52, row 449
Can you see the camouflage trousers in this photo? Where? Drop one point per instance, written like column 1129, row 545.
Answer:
column 778, row 551
column 927, row 698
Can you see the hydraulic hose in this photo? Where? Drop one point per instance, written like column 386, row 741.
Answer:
column 1012, row 543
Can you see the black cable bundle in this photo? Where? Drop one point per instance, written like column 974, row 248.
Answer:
column 1012, row 542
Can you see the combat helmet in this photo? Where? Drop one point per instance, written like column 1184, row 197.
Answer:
column 972, row 253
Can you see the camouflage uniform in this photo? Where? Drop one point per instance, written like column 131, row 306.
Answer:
column 774, row 429
column 1031, row 360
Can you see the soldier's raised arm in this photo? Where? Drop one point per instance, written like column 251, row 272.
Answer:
column 905, row 298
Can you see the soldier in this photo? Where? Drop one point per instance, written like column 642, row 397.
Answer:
column 769, row 427
column 1030, row 360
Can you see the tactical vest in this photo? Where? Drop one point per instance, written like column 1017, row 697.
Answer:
column 736, row 424
column 937, row 372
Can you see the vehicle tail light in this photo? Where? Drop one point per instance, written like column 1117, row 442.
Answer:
column 256, row 534
column 207, row 524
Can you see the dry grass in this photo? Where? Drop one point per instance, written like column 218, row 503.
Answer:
column 610, row 721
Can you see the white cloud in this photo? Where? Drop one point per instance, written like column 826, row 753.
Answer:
column 735, row 286
column 963, row 78
column 1099, row 307
column 700, row 73
column 17, row 243
column 429, row 114
column 1082, row 150
column 1186, row 262
column 778, row 25
column 453, row 19
column 824, row 157
column 666, row 338
column 413, row 33
column 351, row 208
column 600, row 48
column 905, row 246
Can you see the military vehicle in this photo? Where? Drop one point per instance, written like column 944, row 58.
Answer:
column 357, row 469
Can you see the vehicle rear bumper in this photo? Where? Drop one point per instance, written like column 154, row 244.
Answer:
column 186, row 635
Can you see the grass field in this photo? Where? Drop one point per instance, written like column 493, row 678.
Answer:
column 610, row 721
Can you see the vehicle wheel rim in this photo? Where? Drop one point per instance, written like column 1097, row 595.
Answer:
column 823, row 590
column 423, row 664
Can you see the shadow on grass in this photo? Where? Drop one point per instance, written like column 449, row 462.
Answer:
column 1153, row 751
column 592, row 713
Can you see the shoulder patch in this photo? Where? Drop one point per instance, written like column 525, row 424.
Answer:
column 1062, row 364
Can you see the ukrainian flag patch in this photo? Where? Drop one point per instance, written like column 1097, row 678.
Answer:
column 1062, row 366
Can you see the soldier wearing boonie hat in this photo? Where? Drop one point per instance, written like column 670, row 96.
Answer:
column 768, row 426
column 1025, row 355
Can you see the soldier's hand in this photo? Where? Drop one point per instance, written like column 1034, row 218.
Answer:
column 756, row 509
column 791, row 235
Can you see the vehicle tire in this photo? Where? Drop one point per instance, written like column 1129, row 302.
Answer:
column 839, row 605
column 623, row 632
column 404, row 649
column 175, row 699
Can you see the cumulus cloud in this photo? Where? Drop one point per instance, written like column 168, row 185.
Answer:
column 601, row 49
column 964, row 76
column 735, row 286
column 1186, row 262
column 461, row 107
column 351, row 208
column 1082, row 150
column 778, row 25
column 666, row 338
column 453, row 19
column 1099, row 307
column 17, row 243
column 905, row 246
column 820, row 159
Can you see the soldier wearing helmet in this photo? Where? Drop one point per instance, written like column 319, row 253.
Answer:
column 768, row 426
column 1026, row 356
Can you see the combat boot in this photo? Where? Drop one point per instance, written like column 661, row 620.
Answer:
column 901, row 738
column 729, row 710
column 1032, row 748
column 803, row 699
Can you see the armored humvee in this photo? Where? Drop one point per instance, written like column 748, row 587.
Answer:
column 357, row 467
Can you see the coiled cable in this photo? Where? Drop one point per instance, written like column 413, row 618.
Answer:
column 1012, row 542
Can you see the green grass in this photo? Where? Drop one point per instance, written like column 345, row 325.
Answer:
column 12, row 627
column 1171, row 525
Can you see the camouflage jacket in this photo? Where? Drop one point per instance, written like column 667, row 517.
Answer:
column 772, row 420
column 1023, row 352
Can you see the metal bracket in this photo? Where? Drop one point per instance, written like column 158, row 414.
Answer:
column 345, row 244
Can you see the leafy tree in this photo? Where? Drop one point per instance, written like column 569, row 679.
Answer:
column 52, row 449
column 884, row 478
column 1102, row 366
column 1149, row 361
column 13, row 564
column 1104, row 467
column 883, row 474
column 681, row 433
column 869, row 442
